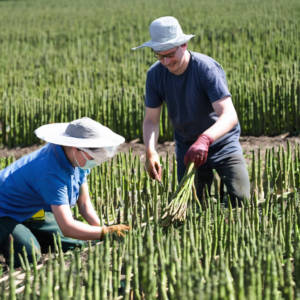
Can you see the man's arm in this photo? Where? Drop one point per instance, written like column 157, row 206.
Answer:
column 151, row 133
column 72, row 228
column 227, row 118
column 81, row 231
column 198, row 152
column 151, row 127
column 85, row 206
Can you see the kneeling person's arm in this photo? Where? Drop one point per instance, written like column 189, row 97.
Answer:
column 85, row 206
column 72, row 228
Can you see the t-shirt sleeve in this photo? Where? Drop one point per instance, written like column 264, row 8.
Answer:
column 83, row 174
column 53, row 190
column 215, row 84
column 153, row 99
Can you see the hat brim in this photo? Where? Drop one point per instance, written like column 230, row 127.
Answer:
column 156, row 46
column 56, row 134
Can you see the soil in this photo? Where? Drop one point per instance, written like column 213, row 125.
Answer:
column 248, row 143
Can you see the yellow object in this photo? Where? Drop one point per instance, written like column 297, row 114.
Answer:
column 39, row 216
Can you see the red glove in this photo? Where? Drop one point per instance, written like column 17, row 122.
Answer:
column 199, row 150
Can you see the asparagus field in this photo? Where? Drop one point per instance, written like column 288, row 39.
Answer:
column 252, row 252
column 62, row 60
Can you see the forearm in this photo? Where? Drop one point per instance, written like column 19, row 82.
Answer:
column 81, row 231
column 223, row 125
column 150, row 134
column 88, row 212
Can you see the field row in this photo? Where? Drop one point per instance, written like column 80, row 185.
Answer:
column 218, row 252
column 265, row 107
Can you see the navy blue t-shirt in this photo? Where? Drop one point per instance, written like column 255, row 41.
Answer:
column 189, row 99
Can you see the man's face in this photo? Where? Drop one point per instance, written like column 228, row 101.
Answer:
column 78, row 154
column 172, row 59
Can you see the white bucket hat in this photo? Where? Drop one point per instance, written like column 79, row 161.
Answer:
column 81, row 133
column 166, row 34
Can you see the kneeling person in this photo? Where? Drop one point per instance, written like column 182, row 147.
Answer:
column 51, row 180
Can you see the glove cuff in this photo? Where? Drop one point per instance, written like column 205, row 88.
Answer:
column 207, row 138
column 102, row 233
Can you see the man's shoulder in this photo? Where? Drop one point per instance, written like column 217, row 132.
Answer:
column 29, row 169
column 156, row 74
column 155, row 68
column 203, row 61
column 36, row 159
column 44, row 162
column 41, row 155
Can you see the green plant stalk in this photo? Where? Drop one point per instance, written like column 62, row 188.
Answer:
column 176, row 210
column 128, row 268
column 12, row 287
column 96, row 277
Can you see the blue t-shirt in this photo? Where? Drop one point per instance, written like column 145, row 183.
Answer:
column 37, row 181
column 189, row 99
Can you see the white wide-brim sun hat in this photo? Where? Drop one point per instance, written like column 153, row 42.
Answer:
column 166, row 34
column 81, row 133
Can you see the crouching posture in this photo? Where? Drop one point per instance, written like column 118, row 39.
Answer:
column 37, row 191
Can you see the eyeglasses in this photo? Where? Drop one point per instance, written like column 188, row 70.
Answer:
column 170, row 55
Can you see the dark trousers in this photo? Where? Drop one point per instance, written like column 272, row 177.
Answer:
column 40, row 232
column 231, row 169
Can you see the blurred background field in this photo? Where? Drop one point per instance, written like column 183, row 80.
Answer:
column 61, row 60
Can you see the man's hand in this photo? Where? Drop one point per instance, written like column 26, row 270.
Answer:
column 153, row 165
column 118, row 229
column 199, row 150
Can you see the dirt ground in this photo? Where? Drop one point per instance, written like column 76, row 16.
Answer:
column 248, row 143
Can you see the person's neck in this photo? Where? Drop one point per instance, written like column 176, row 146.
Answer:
column 69, row 154
column 186, row 60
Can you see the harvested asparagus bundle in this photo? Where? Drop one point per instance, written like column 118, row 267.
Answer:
column 176, row 210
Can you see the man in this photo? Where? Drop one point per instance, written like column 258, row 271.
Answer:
column 49, row 181
column 199, row 105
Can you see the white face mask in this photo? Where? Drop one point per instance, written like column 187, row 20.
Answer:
column 89, row 164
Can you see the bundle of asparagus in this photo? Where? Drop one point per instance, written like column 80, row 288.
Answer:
column 176, row 210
